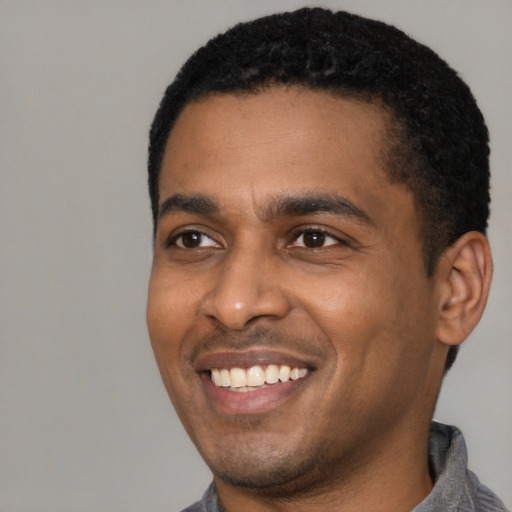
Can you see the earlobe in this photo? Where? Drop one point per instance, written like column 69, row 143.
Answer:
column 465, row 272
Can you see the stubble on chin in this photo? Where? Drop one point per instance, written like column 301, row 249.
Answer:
column 271, row 473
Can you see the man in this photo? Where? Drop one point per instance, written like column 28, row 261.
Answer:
column 319, row 185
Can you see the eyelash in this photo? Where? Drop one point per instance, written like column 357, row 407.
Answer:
column 295, row 235
column 174, row 237
column 317, row 229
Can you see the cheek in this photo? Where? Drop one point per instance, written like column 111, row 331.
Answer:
column 371, row 316
column 164, row 316
column 165, row 321
column 347, row 305
column 173, row 318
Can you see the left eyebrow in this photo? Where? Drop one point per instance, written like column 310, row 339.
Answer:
column 311, row 204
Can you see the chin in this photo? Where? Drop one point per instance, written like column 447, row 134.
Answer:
column 274, row 480
column 268, row 472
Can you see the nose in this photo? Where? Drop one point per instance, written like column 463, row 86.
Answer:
column 247, row 287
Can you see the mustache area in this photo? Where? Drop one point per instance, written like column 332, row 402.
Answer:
column 258, row 338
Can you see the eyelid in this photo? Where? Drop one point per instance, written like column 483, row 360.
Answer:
column 298, row 232
column 183, row 230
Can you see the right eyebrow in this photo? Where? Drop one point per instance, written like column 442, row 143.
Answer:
column 195, row 204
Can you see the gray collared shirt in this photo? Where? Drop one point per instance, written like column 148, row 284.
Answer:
column 456, row 488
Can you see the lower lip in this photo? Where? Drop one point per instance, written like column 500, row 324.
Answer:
column 249, row 402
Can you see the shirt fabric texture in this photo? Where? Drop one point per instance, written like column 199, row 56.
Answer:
column 456, row 488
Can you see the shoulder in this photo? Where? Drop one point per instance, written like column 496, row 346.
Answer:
column 208, row 503
column 479, row 498
column 195, row 507
column 456, row 487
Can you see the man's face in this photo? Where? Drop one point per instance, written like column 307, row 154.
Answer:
column 282, row 246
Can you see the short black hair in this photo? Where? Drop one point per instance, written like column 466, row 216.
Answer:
column 438, row 143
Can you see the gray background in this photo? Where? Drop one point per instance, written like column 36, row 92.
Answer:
column 85, row 423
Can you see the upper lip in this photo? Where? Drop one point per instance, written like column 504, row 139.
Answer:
column 249, row 358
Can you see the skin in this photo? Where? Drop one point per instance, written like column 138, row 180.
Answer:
column 242, row 276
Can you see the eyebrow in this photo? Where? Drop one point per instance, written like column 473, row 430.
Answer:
column 195, row 204
column 280, row 206
column 314, row 203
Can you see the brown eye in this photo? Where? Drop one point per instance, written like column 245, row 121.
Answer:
column 313, row 239
column 193, row 240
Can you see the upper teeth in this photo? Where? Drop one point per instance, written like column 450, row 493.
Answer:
column 255, row 376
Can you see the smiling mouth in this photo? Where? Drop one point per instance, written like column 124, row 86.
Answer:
column 255, row 377
column 252, row 381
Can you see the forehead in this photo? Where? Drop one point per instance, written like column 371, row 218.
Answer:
column 279, row 141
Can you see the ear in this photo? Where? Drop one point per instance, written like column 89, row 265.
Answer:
column 464, row 273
